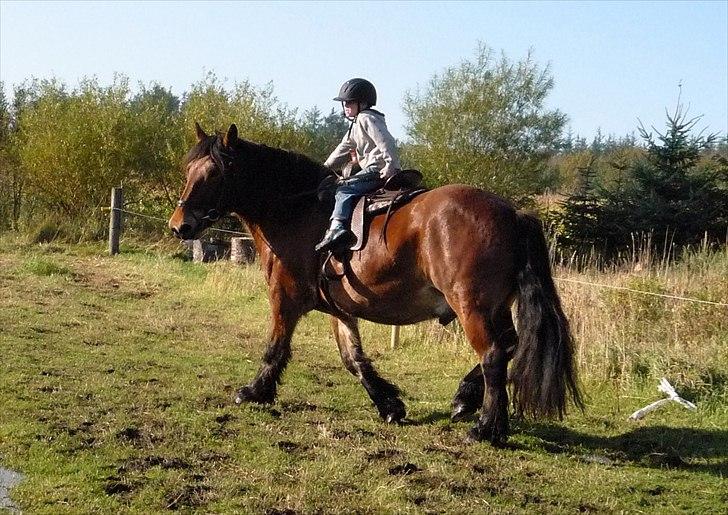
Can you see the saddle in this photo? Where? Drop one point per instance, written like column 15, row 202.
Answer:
column 398, row 190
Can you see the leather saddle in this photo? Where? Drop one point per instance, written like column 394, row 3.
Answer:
column 397, row 191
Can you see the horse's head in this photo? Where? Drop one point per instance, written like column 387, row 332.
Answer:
column 205, row 196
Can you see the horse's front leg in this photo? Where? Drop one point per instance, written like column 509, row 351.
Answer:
column 263, row 388
column 384, row 394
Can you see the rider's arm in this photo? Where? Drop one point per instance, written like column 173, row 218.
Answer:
column 341, row 154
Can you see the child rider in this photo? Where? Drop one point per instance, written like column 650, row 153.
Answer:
column 367, row 142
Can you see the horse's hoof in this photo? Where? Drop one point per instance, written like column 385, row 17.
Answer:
column 393, row 412
column 477, row 434
column 249, row 394
column 461, row 412
column 393, row 418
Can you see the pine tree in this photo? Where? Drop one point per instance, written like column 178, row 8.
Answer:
column 670, row 195
column 580, row 213
column 673, row 194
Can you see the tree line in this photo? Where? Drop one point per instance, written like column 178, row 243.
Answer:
column 482, row 122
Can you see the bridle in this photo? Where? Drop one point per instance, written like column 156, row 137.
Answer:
column 214, row 214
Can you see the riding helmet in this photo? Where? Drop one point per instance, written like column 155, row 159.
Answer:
column 358, row 90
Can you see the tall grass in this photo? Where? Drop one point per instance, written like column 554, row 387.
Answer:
column 626, row 336
column 632, row 339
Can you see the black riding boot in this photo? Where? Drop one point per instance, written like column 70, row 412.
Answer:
column 337, row 235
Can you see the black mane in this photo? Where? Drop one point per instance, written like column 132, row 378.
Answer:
column 271, row 177
column 278, row 161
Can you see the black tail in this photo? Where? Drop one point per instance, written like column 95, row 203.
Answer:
column 543, row 374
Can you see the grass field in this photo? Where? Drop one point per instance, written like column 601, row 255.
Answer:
column 117, row 377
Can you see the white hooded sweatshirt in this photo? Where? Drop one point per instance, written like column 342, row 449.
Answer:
column 373, row 143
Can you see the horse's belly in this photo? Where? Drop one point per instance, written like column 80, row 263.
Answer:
column 397, row 306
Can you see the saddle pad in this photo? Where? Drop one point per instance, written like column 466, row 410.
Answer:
column 371, row 205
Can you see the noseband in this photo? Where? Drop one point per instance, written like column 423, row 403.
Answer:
column 213, row 215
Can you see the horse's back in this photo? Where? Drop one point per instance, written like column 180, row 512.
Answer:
column 468, row 197
column 454, row 209
column 465, row 232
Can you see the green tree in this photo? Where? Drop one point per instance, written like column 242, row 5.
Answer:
column 672, row 193
column 578, row 221
column 74, row 147
column 668, row 194
column 153, row 156
column 323, row 132
column 6, row 164
column 259, row 115
column 485, row 123
column 13, row 201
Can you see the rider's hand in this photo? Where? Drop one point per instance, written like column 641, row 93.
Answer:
column 386, row 172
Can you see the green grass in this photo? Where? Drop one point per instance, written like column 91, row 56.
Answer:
column 117, row 377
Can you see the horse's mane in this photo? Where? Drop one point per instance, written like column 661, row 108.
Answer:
column 285, row 164
column 271, row 175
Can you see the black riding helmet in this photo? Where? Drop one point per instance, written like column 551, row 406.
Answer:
column 358, row 90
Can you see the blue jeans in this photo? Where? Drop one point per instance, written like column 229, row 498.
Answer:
column 351, row 189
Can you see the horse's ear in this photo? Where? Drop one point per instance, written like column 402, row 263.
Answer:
column 200, row 133
column 231, row 136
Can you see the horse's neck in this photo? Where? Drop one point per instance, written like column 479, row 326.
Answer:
column 288, row 222
column 288, row 238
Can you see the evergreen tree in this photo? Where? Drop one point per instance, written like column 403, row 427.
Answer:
column 672, row 193
column 580, row 211
column 669, row 195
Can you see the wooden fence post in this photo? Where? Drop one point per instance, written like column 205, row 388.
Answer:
column 237, row 251
column 395, row 337
column 198, row 251
column 117, row 201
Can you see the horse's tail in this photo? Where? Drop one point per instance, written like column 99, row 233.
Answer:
column 543, row 373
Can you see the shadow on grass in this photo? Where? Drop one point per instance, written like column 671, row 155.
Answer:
column 430, row 418
column 655, row 446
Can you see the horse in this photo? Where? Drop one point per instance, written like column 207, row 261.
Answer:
column 453, row 251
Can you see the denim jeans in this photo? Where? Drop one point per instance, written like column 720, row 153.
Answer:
column 351, row 189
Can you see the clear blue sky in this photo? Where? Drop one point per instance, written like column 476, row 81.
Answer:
column 613, row 62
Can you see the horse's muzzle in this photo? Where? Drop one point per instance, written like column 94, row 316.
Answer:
column 183, row 232
column 181, row 225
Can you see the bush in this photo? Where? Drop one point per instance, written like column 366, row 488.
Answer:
column 485, row 123
column 61, row 150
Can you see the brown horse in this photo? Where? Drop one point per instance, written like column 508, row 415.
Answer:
column 453, row 251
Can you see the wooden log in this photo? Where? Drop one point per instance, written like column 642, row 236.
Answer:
column 241, row 251
column 117, row 201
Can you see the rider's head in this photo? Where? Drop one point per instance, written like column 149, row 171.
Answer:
column 356, row 95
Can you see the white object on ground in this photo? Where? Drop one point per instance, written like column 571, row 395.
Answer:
column 8, row 479
column 672, row 395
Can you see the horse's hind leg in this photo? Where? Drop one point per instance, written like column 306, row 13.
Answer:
column 469, row 397
column 493, row 338
column 384, row 394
